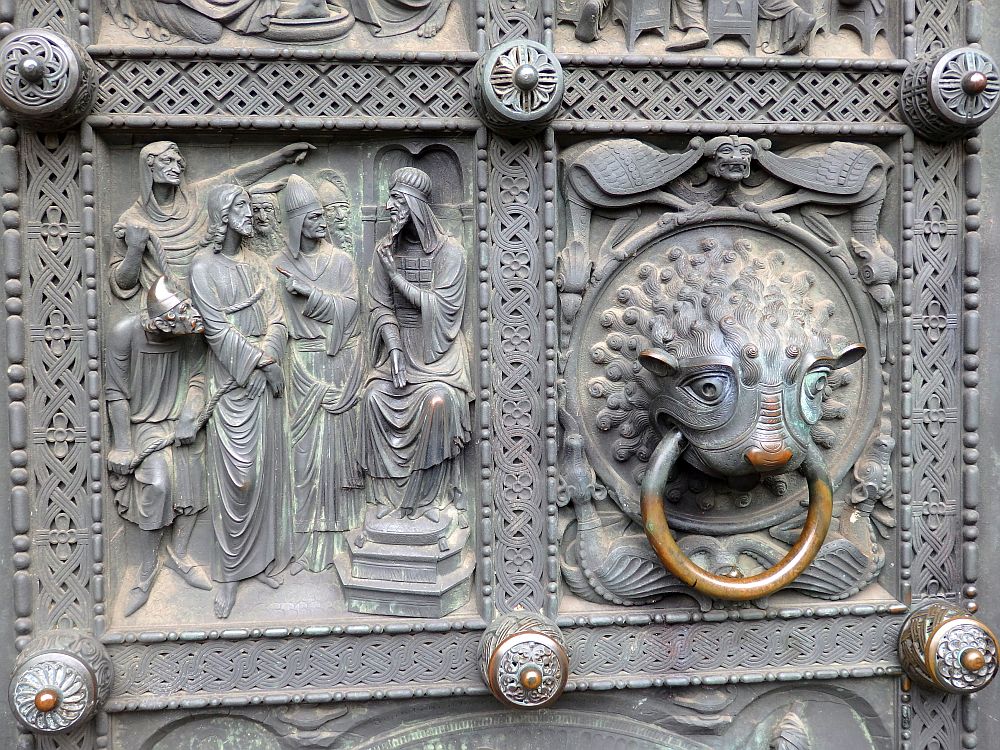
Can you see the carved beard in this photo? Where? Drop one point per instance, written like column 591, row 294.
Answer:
column 395, row 227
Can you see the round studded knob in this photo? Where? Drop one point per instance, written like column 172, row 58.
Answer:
column 47, row 81
column 948, row 92
column 60, row 680
column 523, row 660
column 518, row 87
column 945, row 648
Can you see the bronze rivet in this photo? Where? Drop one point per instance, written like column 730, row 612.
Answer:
column 973, row 659
column 46, row 700
column 974, row 82
column 530, row 677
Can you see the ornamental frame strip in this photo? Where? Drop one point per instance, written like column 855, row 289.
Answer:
column 68, row 160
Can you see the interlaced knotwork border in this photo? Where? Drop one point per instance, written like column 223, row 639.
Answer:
column 618, row 93
column 255, row 90
column 172, row 674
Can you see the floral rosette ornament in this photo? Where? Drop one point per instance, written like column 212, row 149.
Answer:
column 518, row 87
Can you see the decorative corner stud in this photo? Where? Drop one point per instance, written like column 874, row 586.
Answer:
column 523, row 660
column 518, row 87
column 945, row 648
column 59, row 682
column 47, row 82
column 949, row 92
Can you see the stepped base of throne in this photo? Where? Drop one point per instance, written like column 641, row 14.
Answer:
column 407, row 567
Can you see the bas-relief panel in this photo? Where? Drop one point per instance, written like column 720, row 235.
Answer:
column 673, row 251
column 287, row 340
column 730, row 28
column 430, row 25
column 710, row 718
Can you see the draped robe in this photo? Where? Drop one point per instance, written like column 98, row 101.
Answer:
column 411, row 436
column 175, row 232
column 161, row 378
column 324, row 366
column 243, row 324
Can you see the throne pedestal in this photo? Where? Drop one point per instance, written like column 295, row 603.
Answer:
column 408, row 567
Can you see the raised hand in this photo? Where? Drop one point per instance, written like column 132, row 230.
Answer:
column 294, row 153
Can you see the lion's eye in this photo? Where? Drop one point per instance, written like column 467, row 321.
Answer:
column 709, row 388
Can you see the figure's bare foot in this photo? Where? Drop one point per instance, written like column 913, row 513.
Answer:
column 269, row 581
column 382, row 511
column 692, row 39
column 309, row 9
column 433, row 24
column 225, row 598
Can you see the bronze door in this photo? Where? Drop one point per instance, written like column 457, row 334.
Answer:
column 373, row 361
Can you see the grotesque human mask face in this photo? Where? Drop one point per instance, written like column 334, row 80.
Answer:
column 732, row 161
column 180, row 320
column 264, row 216
column 398, row 208
column 314, row 225
column 241, row 214
column 168, row 167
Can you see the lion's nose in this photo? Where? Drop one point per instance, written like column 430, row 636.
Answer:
column 768, row 460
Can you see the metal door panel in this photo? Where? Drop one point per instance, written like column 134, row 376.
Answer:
column 293, row 668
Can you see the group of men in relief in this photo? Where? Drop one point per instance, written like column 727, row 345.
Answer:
column 243, row 382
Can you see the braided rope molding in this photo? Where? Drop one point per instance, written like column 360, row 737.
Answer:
column 331, row 668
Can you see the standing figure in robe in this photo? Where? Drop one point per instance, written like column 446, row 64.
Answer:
column 324, row 366
column 415, row 417
column 160, row 233
column 155, row 390
column 246, row 333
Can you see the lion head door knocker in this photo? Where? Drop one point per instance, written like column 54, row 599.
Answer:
column 714, row 370
column 741, row 372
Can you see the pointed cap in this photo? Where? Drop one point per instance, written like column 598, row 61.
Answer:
column 299, row 197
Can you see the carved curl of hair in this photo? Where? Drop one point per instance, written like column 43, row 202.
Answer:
column 723, row 299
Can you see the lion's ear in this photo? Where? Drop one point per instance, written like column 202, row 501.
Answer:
column 658, row 362
column 849, row 355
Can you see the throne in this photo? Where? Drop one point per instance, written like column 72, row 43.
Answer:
column 864, row 17
column 733, row 18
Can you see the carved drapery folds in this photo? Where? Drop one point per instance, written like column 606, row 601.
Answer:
column 272, row 416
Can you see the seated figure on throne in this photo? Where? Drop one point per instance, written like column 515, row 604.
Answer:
column 415, row 417
column 793, row 25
